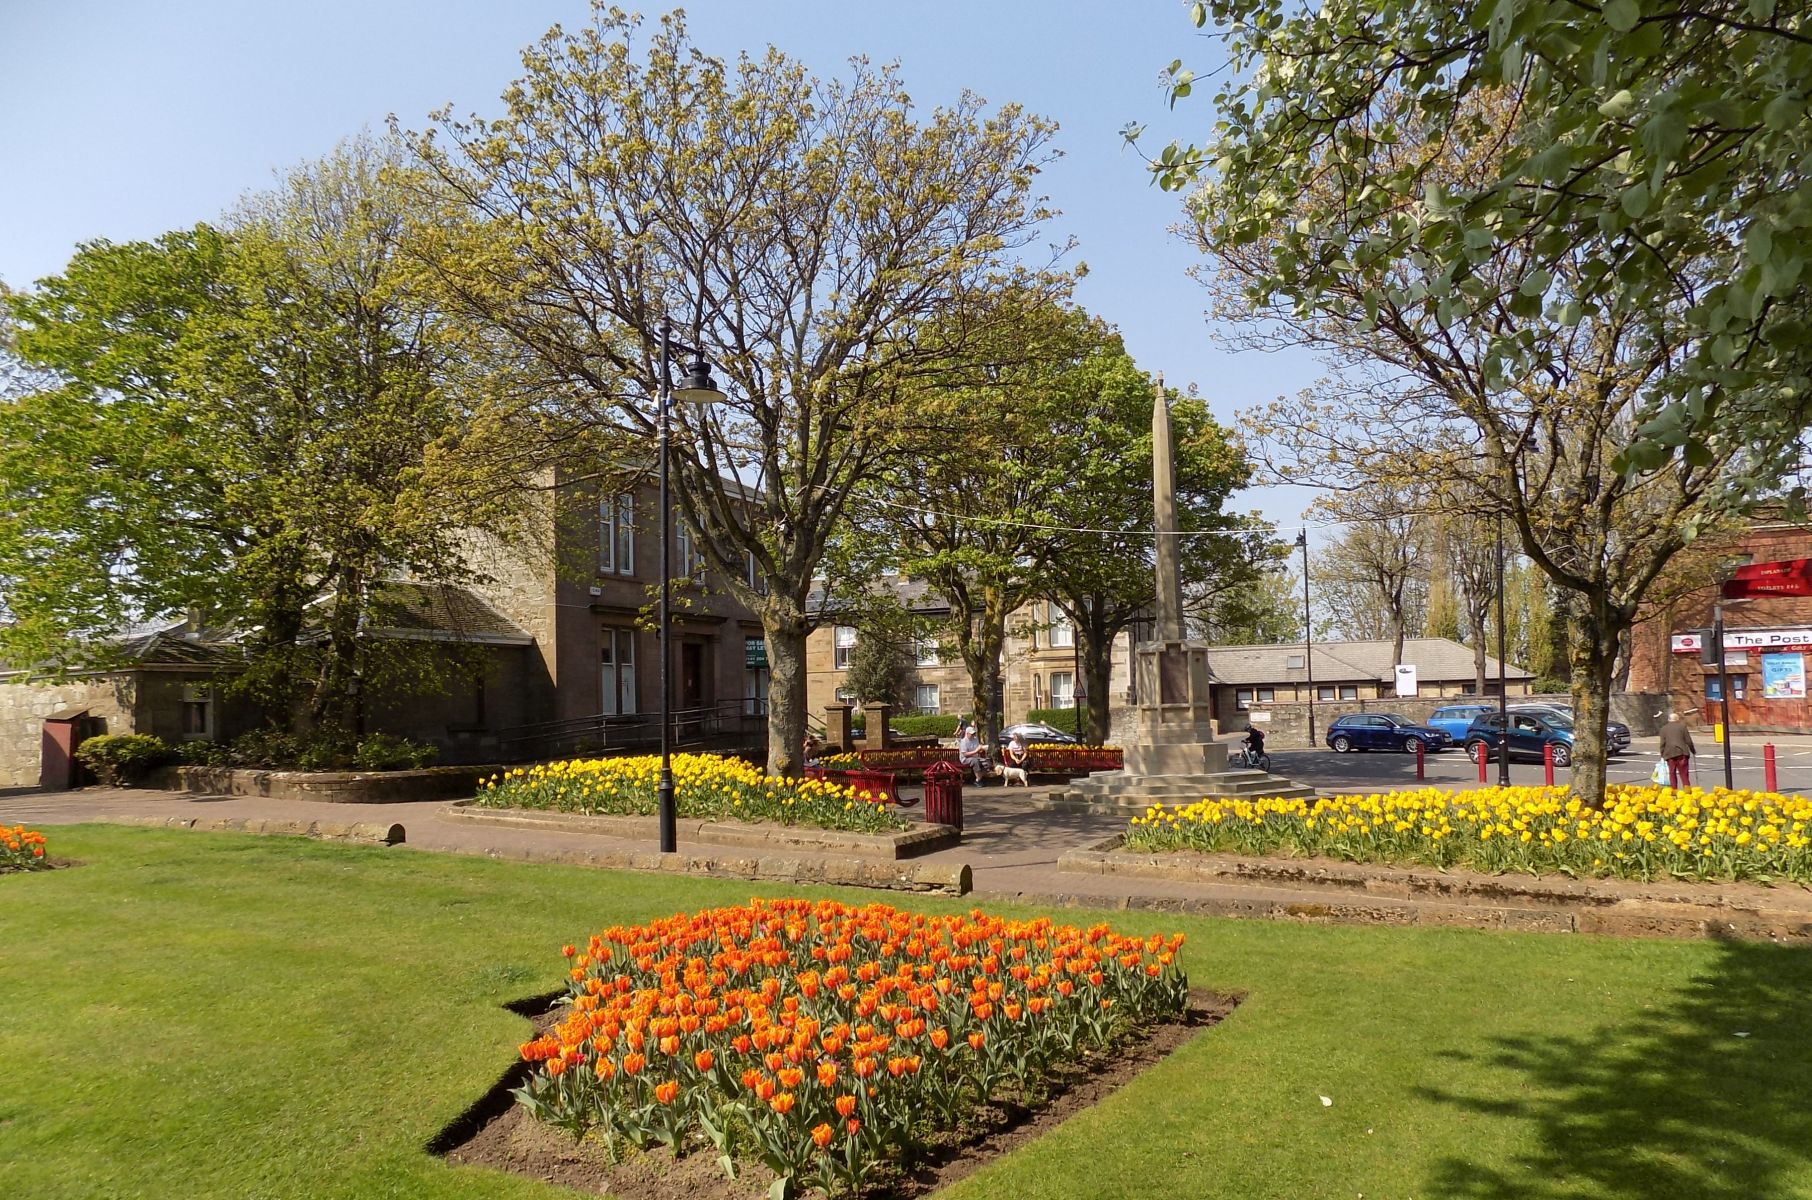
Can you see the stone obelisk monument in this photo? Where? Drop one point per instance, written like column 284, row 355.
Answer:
column 1173, row 754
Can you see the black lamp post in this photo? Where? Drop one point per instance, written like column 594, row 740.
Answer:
column 696, row 388
column 1503, row 687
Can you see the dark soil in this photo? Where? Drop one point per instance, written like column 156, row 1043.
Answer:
column 496, row 1132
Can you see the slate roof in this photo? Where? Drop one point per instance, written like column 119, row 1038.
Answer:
column 1436, row 660
column 437, row 612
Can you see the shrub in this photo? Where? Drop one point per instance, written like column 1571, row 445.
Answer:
column 264, row 748
column 937, row 725
column 123, row 759
column 22, row 849
column 1549, row 685
column 752, row 1032
column 203, row 754
column 387, row 752
column 272, row 749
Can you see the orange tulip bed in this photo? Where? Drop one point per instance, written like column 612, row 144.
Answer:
column 835, row 1045
column 21, row 849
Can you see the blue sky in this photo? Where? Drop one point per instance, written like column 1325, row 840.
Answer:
column 127, row 118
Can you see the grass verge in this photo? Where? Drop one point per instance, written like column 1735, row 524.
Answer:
column 214, row 1015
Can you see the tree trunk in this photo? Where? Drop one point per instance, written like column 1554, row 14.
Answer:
column 784, row 627
column 1098, row 669
column 981, row 651
column 1478, row 624
column 1595, row 630
column 334, row 708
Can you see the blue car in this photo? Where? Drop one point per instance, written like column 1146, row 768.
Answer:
column 1383, row 731
column 1530, row 734
column 1455, row 719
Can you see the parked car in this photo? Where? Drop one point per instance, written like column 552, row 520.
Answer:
column 1529, row 733
column 1455, row 719
column 1383, row 731
column 1036, row 731
column 1616, row 733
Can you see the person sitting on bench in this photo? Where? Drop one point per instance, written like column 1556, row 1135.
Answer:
column 970, row 755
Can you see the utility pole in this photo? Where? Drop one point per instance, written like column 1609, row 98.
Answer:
column 1503, row 687
column 1308, row 631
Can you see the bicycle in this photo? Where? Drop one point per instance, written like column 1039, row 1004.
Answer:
column 1260, row 761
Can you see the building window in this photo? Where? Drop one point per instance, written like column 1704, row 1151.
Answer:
column 751, row 572
column 1063, row 690
column 1739, row 688
column 1242, row 699
column 197, row 712
column 618, row 672
column 1267, row 695
column 925, row 650
column 1063, row 634
column 845, row 642
column 1295, row 662
column 1324, row 692
column 691, row 561
column 1349, row 691
column 846, row 695
column 927, row 697
column 755, row 676
column 616, row 535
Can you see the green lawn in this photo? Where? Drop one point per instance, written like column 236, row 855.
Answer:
column 195, row 1014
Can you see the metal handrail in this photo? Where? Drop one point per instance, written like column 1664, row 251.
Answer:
column 729, row 719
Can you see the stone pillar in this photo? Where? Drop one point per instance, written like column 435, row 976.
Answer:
column 880, row 736
column 837, row 737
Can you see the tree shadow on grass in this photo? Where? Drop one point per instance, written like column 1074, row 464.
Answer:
column 1672, row 1105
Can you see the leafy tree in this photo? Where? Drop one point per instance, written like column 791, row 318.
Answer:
column 1099, row 564
column 237, row 420
column 1373, row 578
column 1422, row 392
column 1653, row 154
column 1266, row 610
column 799, row 231
column 882, row 669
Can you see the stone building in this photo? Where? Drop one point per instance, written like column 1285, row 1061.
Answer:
column 1266, row 680
column 1766, row 641
column 1039, row 667
column 584, row 590
column 166, row 683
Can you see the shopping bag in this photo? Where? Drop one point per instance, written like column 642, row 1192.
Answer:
column 1661, row 774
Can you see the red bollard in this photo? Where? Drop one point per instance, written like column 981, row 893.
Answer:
column 1484, row 758
column 1769, row 782
column 1547, row 763
column 1421, row 752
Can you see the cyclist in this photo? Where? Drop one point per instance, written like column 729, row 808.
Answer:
column 1255, row 745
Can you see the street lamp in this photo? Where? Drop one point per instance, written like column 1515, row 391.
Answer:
column 1503, row 687
column 1308, row 630
column 696, row 388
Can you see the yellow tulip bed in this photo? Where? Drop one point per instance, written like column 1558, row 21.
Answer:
column 1643, row 832
column 705, row 787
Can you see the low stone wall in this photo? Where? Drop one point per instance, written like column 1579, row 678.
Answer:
column 1286, row 723
column 922, row 840
column 338, row 787
column 381, row 832
column 1362, row 893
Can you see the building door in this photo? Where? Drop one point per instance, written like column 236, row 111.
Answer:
column 692, row 675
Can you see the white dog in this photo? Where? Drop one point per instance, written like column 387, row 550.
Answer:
column 1013, row 773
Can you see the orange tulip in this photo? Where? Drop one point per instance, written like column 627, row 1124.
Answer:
column 782, row 1104
column 845, row 1105
column 977, row 1040
column 633, row 1064
column 666, row 1092
column 704, row 1060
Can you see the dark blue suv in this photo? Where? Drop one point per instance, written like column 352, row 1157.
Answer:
column 1383, row 731
column 1529, row 733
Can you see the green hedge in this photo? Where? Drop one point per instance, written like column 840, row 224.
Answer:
column 1058, row 718
column 940, row 725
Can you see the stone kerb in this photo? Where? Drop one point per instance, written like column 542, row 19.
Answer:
column 911, row 843
column 338, row 787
